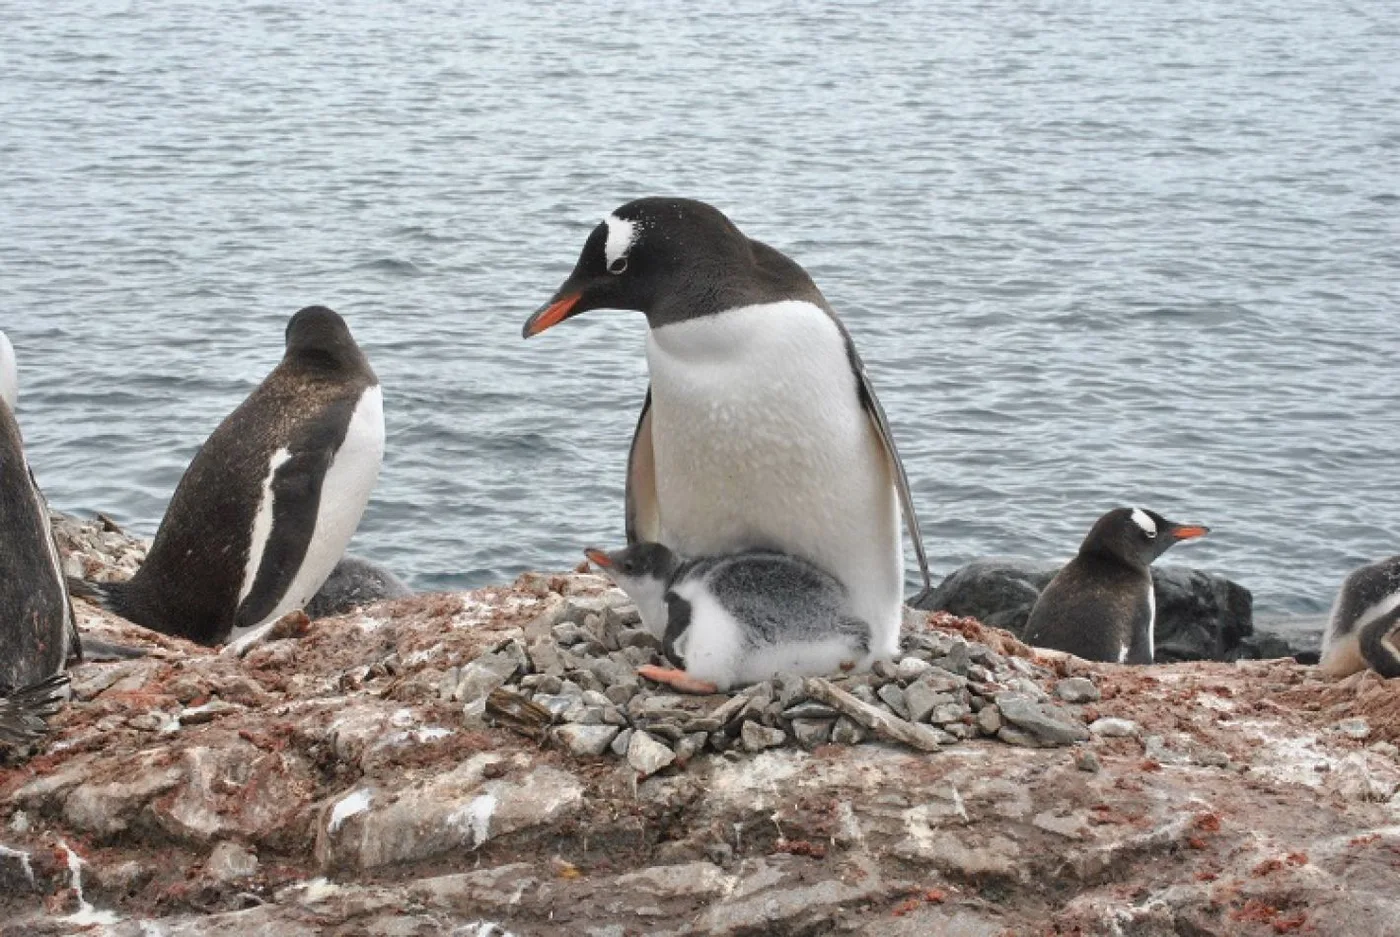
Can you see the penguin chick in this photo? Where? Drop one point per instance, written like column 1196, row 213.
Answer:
column 739, row 618
column 1101, row 605
column 1364, row 627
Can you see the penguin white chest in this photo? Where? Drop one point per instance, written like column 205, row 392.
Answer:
column 760, row 440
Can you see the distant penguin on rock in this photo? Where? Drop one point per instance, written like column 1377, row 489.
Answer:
column 761, row 428
column 270, row 501
column 1364, row 627
column 738, row 619
column 38, row 633
column 1101, row 606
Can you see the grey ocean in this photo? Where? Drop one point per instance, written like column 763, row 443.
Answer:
column 1092, row 253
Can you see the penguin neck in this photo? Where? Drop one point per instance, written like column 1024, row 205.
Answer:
column 332, row 361
column 1102, row 555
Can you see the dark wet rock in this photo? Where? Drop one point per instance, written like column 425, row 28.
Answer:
column 353, row 583
column 1200, row 615
column 998, row 591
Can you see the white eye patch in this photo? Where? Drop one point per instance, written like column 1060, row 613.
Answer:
column 621, row 234
column 1141, row 518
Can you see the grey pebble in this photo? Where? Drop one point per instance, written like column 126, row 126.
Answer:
column 1042, row 722
column 911, row 668
column 812, row 732
column 646, row 755
column 1077, row 690
column 690, row 746
column 757, row 738
column 638, row 638
column 893, row 697
column 586, row 739
column 847, row 732
column 1113, row 728
column 957, row 659
column 810, row 710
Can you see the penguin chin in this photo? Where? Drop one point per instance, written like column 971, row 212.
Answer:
column 649, row 594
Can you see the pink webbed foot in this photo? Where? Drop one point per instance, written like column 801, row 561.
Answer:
column 676, row 679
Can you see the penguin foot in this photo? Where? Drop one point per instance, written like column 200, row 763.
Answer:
column 677, row 679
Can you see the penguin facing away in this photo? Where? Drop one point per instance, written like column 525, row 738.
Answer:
column 38, row 631
column 760, row 429
column 1100, row 606
column 738, row 619
column 1364, row 627
column 270, row 501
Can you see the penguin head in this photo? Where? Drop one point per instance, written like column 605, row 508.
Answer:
column 319, row 337
column 643, row 571
column 1137, row 536
column 665, row 257
column 9, row 374
column 636, row 563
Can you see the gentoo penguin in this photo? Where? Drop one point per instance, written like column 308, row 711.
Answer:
column 38, row 633
column 1101, row 605
column 1364, row 627
column 760, row 429
column 270, row 501
column 740, row 618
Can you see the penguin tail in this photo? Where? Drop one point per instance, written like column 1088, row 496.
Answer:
column 1380, row 644
column 82, row 589
column 109, row 595
column 24, row 713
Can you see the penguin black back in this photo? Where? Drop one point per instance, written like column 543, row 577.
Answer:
column 1101, row 606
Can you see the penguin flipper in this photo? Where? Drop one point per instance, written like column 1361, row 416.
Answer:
column 643, row 517
column 23, row 713
column 881, row 424
column 296, row 501
column 1380, row 644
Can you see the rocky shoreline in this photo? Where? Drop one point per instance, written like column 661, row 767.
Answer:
column 488, row 763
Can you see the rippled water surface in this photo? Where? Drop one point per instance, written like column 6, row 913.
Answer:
column 1092, row 253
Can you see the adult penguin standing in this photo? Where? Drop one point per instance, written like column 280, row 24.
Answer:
column 38, row 633
column 760, row 429
column 270, row 501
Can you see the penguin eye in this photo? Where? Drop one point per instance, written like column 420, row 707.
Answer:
column 618, row 266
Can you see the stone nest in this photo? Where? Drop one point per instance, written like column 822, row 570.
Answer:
column 572, row 679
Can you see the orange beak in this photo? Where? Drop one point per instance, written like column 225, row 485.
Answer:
column 598, row 558
column 1189, row 531
column 550, row 315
